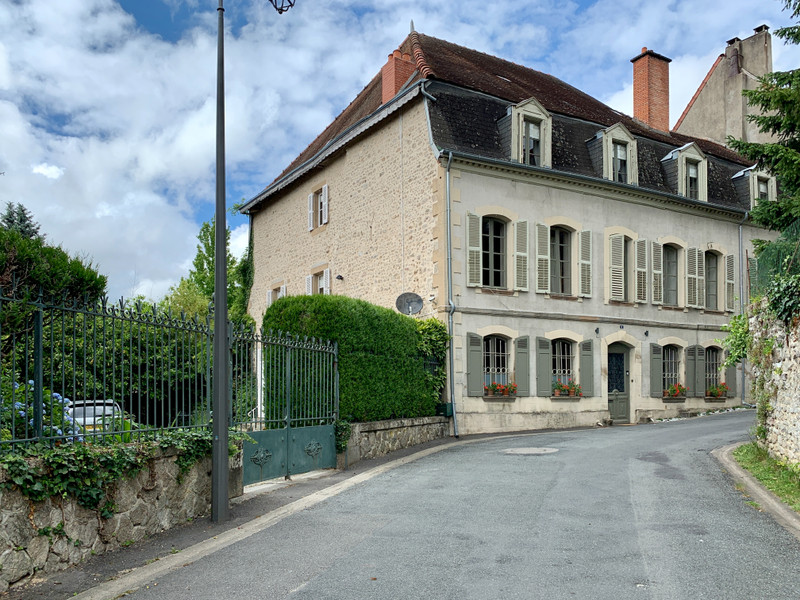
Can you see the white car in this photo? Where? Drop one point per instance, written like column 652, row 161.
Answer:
column 91, row 415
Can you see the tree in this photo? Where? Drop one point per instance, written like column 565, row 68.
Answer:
column 18, row 218
column 778, row 98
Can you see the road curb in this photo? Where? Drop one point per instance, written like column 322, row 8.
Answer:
column 785, row 516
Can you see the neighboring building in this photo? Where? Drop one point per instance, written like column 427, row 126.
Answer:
column 557, row 237
column 718, row 109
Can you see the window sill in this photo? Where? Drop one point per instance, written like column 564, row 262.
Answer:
column 622, row 303
column 566, row 398
column 563, row 297
column 716, row 399
column 674, row 399
column 673, row 307
column 496, row 291
column 508, row 398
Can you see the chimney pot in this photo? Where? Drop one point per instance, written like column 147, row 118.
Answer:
column 395, row 73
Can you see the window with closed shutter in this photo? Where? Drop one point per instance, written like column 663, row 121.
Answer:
column 617, row 267
column 641, row 270
column 585, row 263
column 521, row 256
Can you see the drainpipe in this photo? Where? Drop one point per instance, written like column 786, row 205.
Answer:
column 451, row 307
column 742, row 271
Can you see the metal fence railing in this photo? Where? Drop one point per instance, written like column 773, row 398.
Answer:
column 74, row 373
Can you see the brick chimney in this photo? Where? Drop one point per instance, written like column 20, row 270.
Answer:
column 651, row 89
column 395, row 73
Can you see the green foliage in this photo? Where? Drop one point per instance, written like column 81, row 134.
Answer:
column 17, row 412
column 738, row 341
column 243, row 273
column 778, row 477
column 382, row 354
column 342, row 430
column 19, row 218
column 784, row 297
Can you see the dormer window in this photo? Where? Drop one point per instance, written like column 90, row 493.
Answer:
column 527, row 128
column 687, row 172
column 532, row 142
column 755, row 186
column 613, row 153
column 620, row 162
column 692, row 180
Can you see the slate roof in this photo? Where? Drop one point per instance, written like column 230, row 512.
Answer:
column 465, row 121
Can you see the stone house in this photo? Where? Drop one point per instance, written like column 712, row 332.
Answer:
column 559, row 239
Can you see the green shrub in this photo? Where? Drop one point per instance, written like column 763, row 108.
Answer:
column 384, row 357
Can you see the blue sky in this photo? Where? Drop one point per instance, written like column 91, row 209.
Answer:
column 107, row 106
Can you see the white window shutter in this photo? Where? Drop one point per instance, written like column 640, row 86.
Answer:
column 542, row 259
column 309, row 284
column 282, row 291
column 658, row 273
column 617, row 269
column 585, row 263
column 521, row 255
column 730, row 283
column 473, row 250
column 324, row 200
column 326, row 281
column 310, row 212
column 691, row 277
column 701, row 279
column 269, row 298
column 641, row 270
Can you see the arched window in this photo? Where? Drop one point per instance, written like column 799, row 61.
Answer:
column 670, row 275
column 563, row 360
column 670, row 366
column 493, row 250
column 560, row 261
column 495, row 360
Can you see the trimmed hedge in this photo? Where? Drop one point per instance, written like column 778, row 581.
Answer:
column 382, row 354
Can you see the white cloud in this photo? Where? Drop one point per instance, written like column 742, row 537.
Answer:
column 240, row 237
column 49, row 171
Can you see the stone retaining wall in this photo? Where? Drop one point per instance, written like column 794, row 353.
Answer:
column 56, row 533
column 369, row 440
column 783, row 381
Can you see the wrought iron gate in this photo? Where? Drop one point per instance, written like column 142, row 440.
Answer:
column 295, row 385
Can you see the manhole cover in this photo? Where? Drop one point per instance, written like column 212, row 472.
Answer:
column 531, row 451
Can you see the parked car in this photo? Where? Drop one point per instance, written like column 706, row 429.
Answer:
column 93, row 415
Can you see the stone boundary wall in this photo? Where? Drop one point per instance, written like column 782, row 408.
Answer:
column 370, row 440
column 783, row 380
column 146, row 504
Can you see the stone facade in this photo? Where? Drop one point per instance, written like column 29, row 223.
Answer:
column 53, row 534
column 782, row 381
column 378, row 438
column 379, row 240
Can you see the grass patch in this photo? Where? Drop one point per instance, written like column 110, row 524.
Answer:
column 778, row 478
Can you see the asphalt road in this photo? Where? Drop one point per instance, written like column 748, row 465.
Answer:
column 622, row 512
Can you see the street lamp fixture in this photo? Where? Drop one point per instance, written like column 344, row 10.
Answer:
column 220, row 509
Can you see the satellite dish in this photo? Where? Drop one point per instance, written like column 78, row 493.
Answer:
column 408, row 303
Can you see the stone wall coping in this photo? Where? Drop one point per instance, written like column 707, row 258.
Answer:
column 399, row 423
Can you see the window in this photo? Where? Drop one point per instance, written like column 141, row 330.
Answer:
column 670, row 366
column 560, row 261
column 713, row 362
column 318, row 208
column 670, row 255
column 620, row 152
column 562, row 361
column 755, row 186
column 763, row 188
column 275, row 294
column 487, row 249
column 712, row 280
column 692, row 180
column 531, row 143
column 493, row 253
column 621, row 247
column 319, row 283
column 495, row 360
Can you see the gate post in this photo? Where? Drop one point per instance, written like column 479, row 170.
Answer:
column 288, row 407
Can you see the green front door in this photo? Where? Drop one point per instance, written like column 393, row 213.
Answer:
column 619, row 399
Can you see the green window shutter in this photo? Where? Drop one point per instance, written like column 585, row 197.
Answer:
column 544, row 367
column 691, row 369
column 752, row 274
column 522, row 366
column 658, row 273
column 730, row 379
column 617, row 267
column 585, row 263
column 587, row 368
column 656, row 372
column 700, row 371
column 474, row 365
column 691, row 277
column 542, row 259
column 641, row 271
column 473, row 251
column 521, row 256
column 730, row 283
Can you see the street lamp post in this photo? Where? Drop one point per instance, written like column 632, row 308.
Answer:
column 221, row 389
